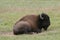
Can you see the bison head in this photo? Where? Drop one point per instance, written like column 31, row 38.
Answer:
column 43, row 21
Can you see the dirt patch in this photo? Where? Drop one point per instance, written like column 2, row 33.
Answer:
column 6, row 33
column 42, row 33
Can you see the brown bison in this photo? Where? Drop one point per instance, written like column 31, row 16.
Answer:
column 31, row 23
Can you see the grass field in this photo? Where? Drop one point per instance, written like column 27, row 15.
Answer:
column 12, row 10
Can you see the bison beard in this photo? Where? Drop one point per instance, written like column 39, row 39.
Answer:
column 31, row 23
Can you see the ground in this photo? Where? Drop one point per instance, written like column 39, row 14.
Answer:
column 13, row 10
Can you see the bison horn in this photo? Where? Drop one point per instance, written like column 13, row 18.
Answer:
column 41, row 17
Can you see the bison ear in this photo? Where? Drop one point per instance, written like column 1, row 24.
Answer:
column 41, row 17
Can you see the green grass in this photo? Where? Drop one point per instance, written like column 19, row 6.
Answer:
column 13, row 10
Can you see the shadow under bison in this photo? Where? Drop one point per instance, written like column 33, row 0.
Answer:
column 31, row 23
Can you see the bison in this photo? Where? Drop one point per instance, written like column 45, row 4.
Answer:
column 32, row 23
